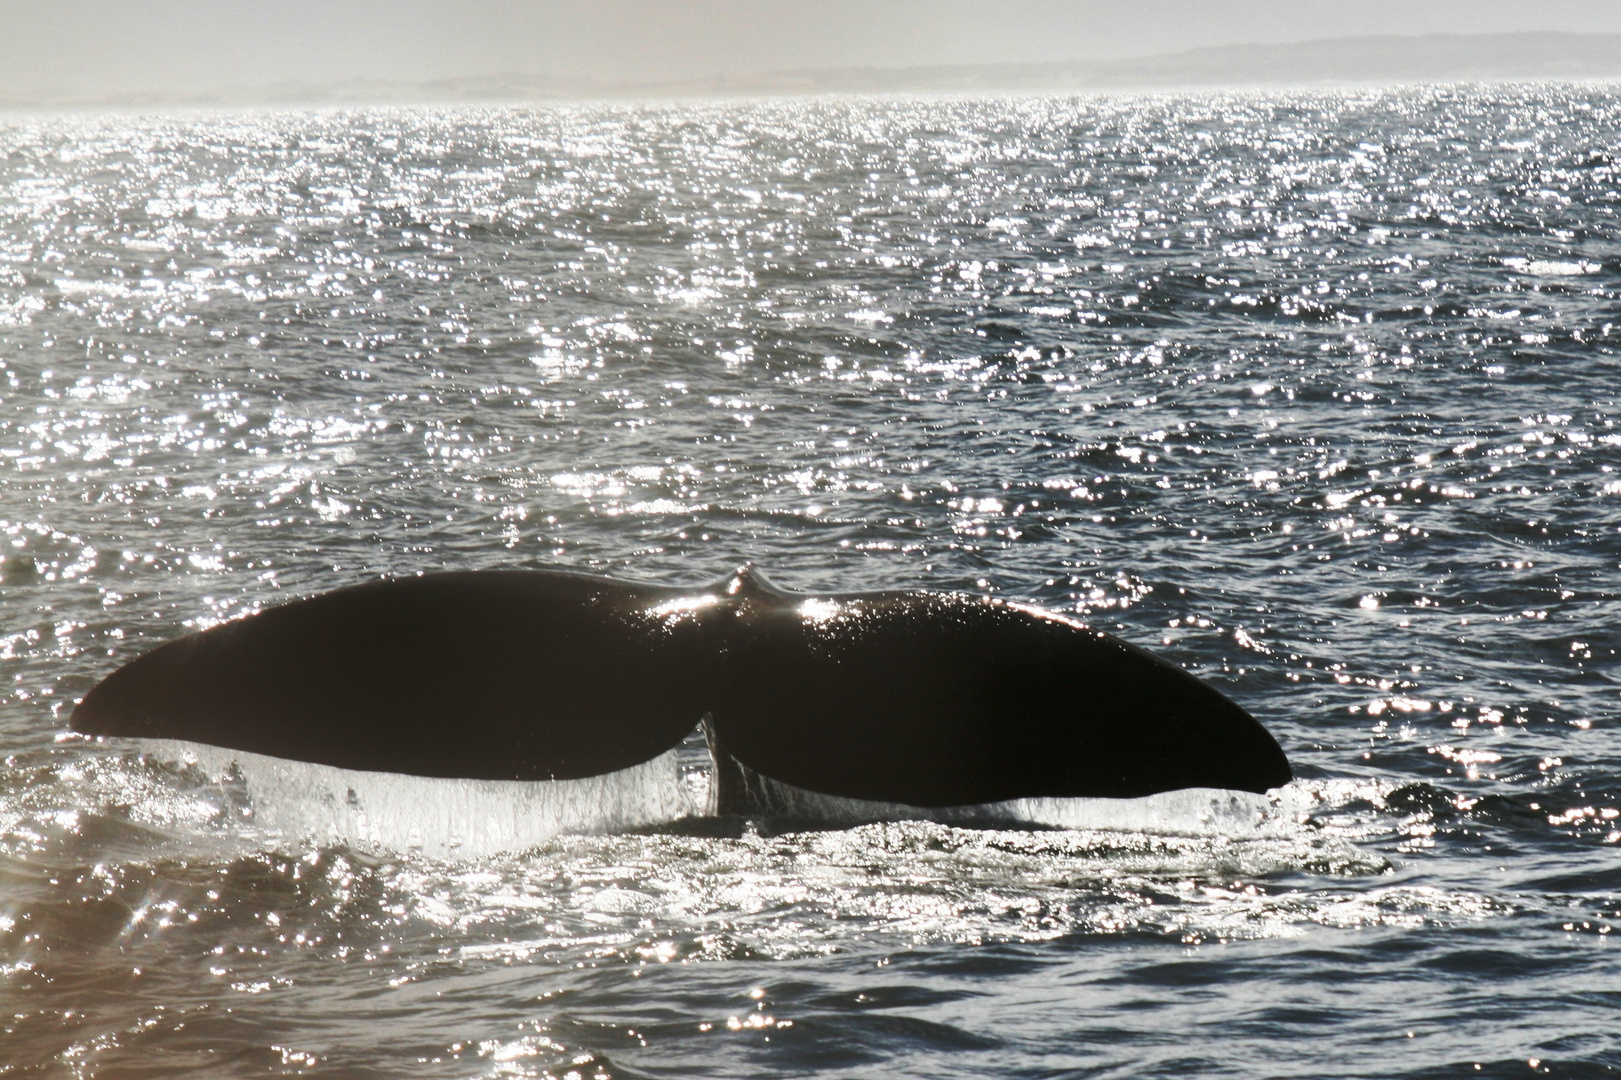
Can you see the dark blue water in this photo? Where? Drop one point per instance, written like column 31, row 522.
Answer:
column 1315, row 394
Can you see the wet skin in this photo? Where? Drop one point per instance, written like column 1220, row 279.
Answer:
column 924, row 699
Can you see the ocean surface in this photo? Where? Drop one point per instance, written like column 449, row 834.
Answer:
column 1315, row 394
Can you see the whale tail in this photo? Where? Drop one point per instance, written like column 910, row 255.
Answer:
column 914, row 700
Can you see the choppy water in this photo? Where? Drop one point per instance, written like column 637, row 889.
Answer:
column 1315, row 394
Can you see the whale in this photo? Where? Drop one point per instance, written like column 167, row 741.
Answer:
column 929, row 700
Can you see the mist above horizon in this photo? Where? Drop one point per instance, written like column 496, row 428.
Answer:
column 86, row 52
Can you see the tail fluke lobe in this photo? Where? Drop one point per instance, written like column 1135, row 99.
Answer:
column 495, row 675
column 938, row 700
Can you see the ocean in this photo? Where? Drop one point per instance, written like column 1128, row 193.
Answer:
column 1313, row 393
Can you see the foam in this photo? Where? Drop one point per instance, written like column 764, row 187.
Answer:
column 300, row 801
column 1188, row 812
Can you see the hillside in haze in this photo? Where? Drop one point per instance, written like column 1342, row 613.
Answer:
column 1334, row 61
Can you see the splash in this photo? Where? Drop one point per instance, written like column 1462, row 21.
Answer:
column 301, row 803
column 284, row 803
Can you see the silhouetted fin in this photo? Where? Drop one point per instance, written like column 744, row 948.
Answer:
column 938, row 700
column 492, row 675
column 909, row 699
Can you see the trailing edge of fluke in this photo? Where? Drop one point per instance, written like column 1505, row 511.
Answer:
column 920, row 699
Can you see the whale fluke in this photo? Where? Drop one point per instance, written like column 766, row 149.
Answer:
column 932, row 700
column 483, row 675
column 917, row 699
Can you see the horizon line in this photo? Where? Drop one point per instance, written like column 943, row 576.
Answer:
column 1590, row 62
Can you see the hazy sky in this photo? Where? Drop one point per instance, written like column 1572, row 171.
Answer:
column 102, row 47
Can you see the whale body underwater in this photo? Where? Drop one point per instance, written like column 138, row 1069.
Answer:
column 896, row 699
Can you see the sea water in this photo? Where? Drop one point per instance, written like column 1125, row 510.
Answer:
column 1313, row 393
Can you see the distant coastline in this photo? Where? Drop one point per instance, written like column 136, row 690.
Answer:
column 1348, row 61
